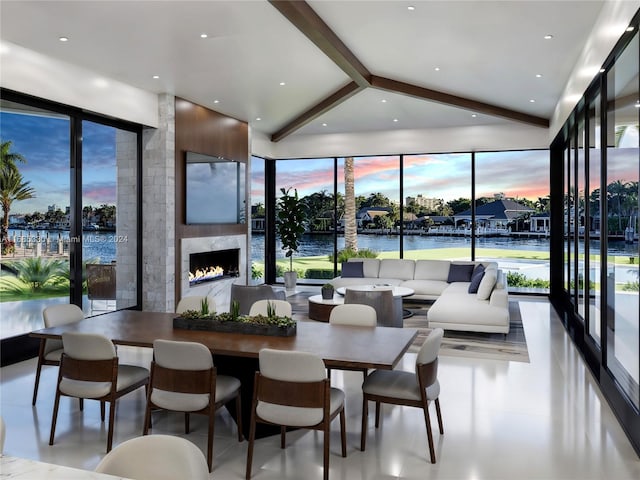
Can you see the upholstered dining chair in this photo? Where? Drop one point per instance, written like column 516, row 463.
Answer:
column 388, row 308
column 183, row 379
column 50, row 350
column 157, row 457
column 247, row 295
column 282, row 307
column 407, row 388
column 356, row 315
column 194, row 302
column 89, row 369
column 292, row 390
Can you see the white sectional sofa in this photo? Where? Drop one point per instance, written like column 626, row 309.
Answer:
column 454, row 307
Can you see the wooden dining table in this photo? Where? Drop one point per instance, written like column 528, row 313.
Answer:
column 340, row 347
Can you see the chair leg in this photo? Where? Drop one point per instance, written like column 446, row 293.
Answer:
column 239, row 415
column 101, row 410
column 186, row 422
column 147, row 419
column 283, row 436
column 327, row 437
column 81, row 405
column 427, row 421
column 252, row 434
column 56, row 403
column 36, row 384
column 112, row 418
column 343, row 433
column 212, row 424
column 437, row 402
column 365, row 416
column 377, row 414
column 38, row 370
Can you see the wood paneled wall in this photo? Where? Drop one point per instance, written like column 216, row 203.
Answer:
column 204, row 131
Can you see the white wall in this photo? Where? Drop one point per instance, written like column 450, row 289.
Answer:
column 437, row 140
column 614, row 18
column 33, row 73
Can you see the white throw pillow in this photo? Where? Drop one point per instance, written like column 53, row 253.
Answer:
column 488, row 282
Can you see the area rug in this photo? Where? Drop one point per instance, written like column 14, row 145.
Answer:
column 496, row 346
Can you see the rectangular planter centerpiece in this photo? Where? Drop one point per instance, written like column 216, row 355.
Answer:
column 210, row 325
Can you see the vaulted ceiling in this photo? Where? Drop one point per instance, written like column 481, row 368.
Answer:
column 290, row 67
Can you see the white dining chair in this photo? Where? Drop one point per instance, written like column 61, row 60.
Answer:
column 282, row 308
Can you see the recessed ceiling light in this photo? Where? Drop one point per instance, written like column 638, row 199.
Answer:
column 156, row 77
column 395, row 119
column 216, row 101
column 474, row 115
column 384, row 100
column 437, row 69
column 64, row 39
column 548, row 37
column 282, row 84
column 411, row 7
column 324, row 124
column 637, row 105
column 629, row 29
column 532, row 101
column 203, row 35
column 538, row 75
column 258, row 119
column 602, row 70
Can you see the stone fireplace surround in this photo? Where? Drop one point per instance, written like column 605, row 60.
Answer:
column 220, row 290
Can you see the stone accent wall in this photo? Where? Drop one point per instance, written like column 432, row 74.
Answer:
column 158, row 207
column 220, row 290
column 127, row 218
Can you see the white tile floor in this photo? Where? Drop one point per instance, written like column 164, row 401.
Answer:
column 503, row 420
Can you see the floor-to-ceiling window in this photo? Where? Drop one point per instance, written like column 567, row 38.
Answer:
column 512, row 216
column 437, row 206
column 36, row 194
column 623, row 162
column 600, row 298
column 70, row 186
column 258, row 218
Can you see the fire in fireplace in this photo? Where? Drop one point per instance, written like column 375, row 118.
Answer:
column 212, row 266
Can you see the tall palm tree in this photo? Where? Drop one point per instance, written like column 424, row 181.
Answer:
column 350, row 226
column 12, row 188
column 8, row 159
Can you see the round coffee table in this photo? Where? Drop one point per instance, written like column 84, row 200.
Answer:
column 397, row 292
column 320, row 309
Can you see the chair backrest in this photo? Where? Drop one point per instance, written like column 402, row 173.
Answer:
column 282, row 307
column 101, row 281
column 291, row 388
column 194, row 302
column 157, row 457
column 88, row 346
column 353, row 314
column 427, row 358
column 388, row 311
column 182, row 355
column 247, row 295
column 56, row 315
column 62, row 314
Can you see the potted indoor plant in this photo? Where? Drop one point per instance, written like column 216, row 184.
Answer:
column 290, row 226
column 327, row 291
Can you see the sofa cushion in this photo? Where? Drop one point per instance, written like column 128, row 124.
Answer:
column 352, row 270
column 460, row 272
column 431, row 270
column 396, row 268
column 476, row 278
column 370, row 266
column 487, row 283
column 426, row 287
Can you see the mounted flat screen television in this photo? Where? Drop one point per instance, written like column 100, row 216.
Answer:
column 215, row 190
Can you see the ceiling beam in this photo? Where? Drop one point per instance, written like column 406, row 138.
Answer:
column 411, row 90
column 303, row 17
column 314, row 112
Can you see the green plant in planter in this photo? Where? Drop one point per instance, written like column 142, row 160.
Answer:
column 204, row 307
column 290, row 226
column 235, row 310
column 327, row 291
